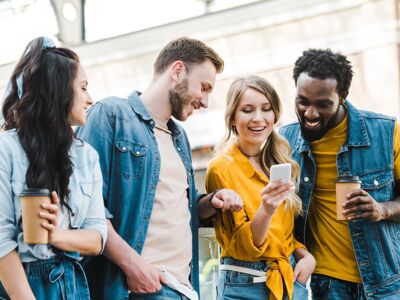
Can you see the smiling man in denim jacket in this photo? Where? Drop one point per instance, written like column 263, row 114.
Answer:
column 358, row 258
column 148, row 178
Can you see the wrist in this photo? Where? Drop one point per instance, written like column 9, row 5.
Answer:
column 129, row 264
column 55, row 237
column 385, row 210
column 210, row 197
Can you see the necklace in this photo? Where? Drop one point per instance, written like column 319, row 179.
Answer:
column 248, row 155
column 161, row 124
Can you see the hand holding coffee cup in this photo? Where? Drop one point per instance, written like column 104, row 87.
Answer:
column 50, row 216
column 361, row 205
column 39, row 216
column 344, row 185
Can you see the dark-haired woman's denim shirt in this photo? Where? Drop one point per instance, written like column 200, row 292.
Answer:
column 85, row 200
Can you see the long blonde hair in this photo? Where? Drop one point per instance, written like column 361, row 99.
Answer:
column 276, row 149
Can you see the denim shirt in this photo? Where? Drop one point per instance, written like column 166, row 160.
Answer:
column 368, row 153
column 121, row 130
column 85, row 197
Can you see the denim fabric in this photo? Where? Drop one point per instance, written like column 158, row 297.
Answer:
column 58, row 278
column 368, row 153
column 85, row 185
column 166, row 293
column 239, row 286
column 121, row 130
column 329, row 288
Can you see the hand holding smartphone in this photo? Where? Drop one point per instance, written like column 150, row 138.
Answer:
column 281, row 171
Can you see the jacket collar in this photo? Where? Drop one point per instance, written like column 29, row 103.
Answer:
column 141, row 111
column 357, row 135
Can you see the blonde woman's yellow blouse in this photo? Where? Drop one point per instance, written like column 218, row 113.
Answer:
column 234, row 171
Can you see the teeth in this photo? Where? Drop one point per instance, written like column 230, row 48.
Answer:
column 257, row 128
column 312, row 124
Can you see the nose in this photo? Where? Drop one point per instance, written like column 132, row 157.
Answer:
column 311, row 113
column 89, row 100
column 257, row 115
column 204, row 101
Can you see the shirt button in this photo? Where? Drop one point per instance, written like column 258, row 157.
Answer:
column 151, row 122
column 124, row 148
column 137, row 152
column 306, row 179
column 179, row 149
column 376, row 183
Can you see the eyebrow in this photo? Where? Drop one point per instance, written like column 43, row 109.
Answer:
column 321, row 100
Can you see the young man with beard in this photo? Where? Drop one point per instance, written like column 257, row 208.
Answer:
column 358, row 258
column 151, row 251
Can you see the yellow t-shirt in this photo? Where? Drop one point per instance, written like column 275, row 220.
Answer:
column 329, row 239
column 234, row 171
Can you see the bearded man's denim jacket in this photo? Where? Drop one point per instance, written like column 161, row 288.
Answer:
column 368, row 153
column 121, row 130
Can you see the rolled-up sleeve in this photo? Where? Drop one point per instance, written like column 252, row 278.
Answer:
column 95, row 218
column 8, row 229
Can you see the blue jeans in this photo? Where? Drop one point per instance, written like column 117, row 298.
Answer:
column 239, row 286
column 58, row 278
column 166, row 293
column 329, row 288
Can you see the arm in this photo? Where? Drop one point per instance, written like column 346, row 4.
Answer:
column 86, row 241
column 272, row 195
column 237, row 235
column 360, row 205
column 12, row 274
column 15, row 281
column 99, row 133
column 305, row 265
column 141, row 277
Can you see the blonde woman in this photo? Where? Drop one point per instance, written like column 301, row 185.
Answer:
column 257, row 242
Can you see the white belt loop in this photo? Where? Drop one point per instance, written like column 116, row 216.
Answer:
column 260, row 275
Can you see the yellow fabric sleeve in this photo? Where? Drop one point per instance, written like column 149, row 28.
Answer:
column 232, row 229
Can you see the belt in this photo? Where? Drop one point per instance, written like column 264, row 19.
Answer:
column 260, row 276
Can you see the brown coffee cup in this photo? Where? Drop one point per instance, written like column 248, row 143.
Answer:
column 31, row 201
column 344, row 185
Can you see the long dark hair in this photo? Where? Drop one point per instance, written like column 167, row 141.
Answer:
column 40, row 115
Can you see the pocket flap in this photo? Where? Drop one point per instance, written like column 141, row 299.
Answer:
column 376, row 181
column 135, row 148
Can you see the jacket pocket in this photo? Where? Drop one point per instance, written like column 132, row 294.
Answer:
column 379, row 185
column 130, row 158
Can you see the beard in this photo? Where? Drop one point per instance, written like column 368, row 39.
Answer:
column 178, row 98
column 316, row 134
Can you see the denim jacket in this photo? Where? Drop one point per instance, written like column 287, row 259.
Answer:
column 121, row 130
column 85, row 197
column 368, row 153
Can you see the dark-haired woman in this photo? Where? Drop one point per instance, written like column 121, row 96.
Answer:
column 47, row 95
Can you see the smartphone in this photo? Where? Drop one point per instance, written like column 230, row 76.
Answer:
column 281, row 171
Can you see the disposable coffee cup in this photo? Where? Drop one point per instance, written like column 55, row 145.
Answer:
column 344, row 185
column 31, row 201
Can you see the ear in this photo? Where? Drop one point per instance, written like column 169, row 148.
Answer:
column 177, row 70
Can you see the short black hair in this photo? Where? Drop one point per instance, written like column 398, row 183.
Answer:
column 323, row 64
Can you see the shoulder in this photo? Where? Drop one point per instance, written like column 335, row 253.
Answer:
column 113, row 107
column 83, row 153
column 221, row 162
column 290, row 131
column 370, row 115
column 9, row 141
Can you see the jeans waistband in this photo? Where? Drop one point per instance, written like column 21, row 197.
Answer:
column 259, row 265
